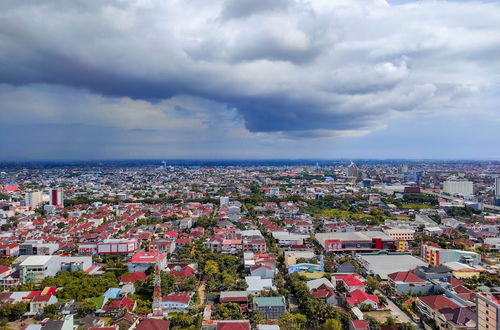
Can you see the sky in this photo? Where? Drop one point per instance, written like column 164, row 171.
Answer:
column 249, row 79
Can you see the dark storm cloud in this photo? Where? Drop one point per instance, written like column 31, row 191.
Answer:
column 288, row 67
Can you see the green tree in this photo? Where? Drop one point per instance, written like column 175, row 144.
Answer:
column 86, row 307
column 211, row 268
column 256, row 318
column 227, row 281
column 390, row 321
column 332, row 324
column 372, row 323
column 227, row 311
column 51, row 311
column 372, row 283
column 292, row 321
column 406, row 326
column 181, row 320
column 13, row 311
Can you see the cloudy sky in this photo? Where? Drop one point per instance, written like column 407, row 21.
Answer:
column 93, row 79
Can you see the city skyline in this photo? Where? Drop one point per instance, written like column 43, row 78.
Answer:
column 368, row 79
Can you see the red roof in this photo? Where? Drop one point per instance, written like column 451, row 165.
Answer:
column 184, row 272
column 233, row 325
column 153, row 324
column 182, row 240
column 350, row 280
column 438, row 302
column 133, row 277
column 360, row 324
column 147, row 257
column 33, row 294
column 182, row 297
column 125, row 303
column 4, row 269
column 408, row 277
column 461, row 289
column 358, row 296
column 44, row 298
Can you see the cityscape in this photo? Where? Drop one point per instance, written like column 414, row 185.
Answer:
column 250, row 165
column 235, row 245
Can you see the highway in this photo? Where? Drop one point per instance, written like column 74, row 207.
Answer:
column 451, row 198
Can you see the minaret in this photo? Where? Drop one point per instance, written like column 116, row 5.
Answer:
column 156, row 307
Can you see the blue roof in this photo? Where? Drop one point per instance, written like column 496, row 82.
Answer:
column 112, row 293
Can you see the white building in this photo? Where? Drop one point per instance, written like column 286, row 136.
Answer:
column 36, row 268
column 224, row 201
column 273, row 192
column 401, row 234
column 33, row 199
column 463, row 188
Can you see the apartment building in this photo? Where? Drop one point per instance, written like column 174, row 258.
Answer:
column 488, row 311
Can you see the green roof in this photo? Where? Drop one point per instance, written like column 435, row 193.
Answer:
column 269, row 301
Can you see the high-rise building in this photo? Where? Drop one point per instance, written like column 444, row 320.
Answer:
column 497, row 187
column 57, row 197
column 403, row 169
column 352, row 170
column 488, row 311
column 463, row 188
column 33, row 199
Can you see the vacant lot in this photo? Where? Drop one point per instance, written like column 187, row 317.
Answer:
column 380, row 316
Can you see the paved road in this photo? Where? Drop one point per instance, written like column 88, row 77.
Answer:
column 201, row 293
column 451, row 198
column 397, row 312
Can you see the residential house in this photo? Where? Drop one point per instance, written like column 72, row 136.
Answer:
column 38, row 303
column 114, row 306
column 166, row 246
column 233, row 325
column 359, row 325
column 350, row 282
column 430, row 305
column 270, row 307
column 358, row 297
column 141, row 261
column 461, row 318
column 177, row 301
column 256, row 284
column 408, row 282
column 323, row 289
column 262, row 270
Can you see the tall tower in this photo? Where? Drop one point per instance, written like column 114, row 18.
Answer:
column 352, row 170
column 33, row 199
column 156, row 307
column 57, row 197
column 497, row 191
